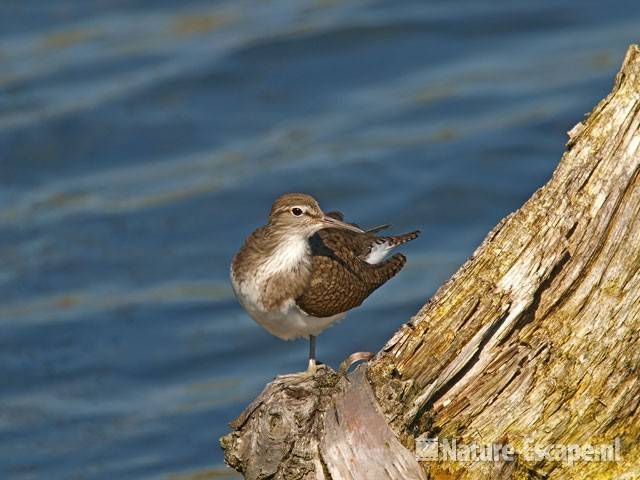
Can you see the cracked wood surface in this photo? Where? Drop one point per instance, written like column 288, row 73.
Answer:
column 323, row 426
column 535, row 340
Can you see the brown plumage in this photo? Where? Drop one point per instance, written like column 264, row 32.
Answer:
column 340, row 276
column 302, row 271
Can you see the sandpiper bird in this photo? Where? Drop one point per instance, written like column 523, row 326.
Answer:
column 304, row 269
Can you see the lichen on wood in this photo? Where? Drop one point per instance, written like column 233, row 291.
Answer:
column 535, row 339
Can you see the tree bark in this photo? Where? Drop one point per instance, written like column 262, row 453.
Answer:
column 534, row 341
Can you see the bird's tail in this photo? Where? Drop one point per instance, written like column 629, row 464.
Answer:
column 395, row 240
column 381, row 246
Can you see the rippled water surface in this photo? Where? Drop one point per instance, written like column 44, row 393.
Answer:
column 141, row 141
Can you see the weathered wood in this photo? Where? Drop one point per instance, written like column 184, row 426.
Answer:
column 536, row 339
column 357, row 442
column 278, row 433
column 318, row 426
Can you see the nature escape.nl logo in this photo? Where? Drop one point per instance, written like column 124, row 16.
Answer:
column 436, row 449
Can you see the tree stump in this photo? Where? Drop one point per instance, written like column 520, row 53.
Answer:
column 534, row 341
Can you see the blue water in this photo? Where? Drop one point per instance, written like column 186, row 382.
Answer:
column 141, row 141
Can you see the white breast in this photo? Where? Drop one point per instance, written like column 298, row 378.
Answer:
column 288, row 321
column 291, row 251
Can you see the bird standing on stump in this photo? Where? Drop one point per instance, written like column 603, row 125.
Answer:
column 302, row 271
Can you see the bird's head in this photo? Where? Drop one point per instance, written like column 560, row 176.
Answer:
column 300, row 213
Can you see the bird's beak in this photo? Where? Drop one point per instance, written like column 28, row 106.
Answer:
column 330, row 222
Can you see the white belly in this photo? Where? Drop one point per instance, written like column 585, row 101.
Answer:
column 287, row 322
column 290, row 322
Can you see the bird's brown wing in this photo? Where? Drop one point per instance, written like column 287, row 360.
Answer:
column 340, row 280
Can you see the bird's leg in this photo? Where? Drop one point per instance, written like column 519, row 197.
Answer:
column 310, row 372
column 312, row 354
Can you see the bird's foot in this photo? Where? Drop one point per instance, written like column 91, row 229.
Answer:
column 353, row 358
column 311, row 369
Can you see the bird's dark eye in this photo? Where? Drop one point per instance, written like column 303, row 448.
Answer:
column 296, row 211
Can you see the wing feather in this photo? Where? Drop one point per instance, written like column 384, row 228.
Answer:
column 340, row 280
